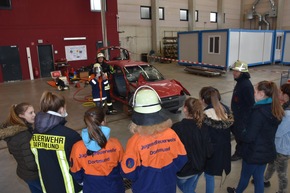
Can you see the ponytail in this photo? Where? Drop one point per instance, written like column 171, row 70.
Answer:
column 271, row 90
column 195, row 110
column 93, row 118
column 211, row 95
column 14, row 112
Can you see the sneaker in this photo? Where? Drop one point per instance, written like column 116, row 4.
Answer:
column 231, row 190
column 235, row 157
column 266, row 184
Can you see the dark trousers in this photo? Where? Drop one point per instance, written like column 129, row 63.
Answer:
column 238, row 151
column 255, row 170
column 34, row 186
column 237, row 133
column 109, row 100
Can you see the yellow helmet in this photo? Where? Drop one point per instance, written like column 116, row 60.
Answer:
column 100, row 55
column 147, row 108
column 240, row 66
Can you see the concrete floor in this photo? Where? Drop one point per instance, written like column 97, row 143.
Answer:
column 30, row 91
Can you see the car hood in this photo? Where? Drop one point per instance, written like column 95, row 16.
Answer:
column 165, row 88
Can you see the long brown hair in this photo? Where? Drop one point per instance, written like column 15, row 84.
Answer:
column 271, row 90
column 14, row 112
column 211, row 95
column 51, row 102
column 195, row 110
column 93, row 118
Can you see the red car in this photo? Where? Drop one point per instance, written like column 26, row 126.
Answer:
column 129, row 75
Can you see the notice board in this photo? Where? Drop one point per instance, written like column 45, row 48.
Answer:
column 78, row 52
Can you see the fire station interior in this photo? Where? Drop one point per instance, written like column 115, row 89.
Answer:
column 31, row 90
column 35, row 42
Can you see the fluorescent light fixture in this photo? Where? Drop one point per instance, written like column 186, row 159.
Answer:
column 75, row 38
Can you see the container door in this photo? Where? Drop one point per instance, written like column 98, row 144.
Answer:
column 278, row 47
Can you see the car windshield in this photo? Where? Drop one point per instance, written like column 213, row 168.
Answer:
column 150, row 73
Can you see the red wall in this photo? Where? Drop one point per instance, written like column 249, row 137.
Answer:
column 51, row 21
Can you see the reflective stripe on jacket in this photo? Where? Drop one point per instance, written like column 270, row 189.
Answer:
column 53, row 143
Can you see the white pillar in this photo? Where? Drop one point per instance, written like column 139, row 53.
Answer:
column 29, row 63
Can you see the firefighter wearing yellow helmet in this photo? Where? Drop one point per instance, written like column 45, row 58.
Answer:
column 240, row 66
column 241, row 103
column 108, row 70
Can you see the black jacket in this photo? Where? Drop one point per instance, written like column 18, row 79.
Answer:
column 18, row 138
column 242, row 102
column 259, row 135
column 51, row 174
column 220, row 136
column 195, row 141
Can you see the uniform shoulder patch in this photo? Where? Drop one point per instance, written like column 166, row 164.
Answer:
column 130, row 163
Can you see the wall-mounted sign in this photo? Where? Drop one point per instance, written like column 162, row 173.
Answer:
column 73, row 53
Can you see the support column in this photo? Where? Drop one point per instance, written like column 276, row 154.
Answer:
column 155, row 25
column 221, row 14
column 104, row 25
column 281, row 4
column 191, row 15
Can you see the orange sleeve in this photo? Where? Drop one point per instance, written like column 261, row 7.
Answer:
column 131, row 159
column 75, row 165
column 121, row 150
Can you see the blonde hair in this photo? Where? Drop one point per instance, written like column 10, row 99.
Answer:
column 151, row 129
column 195, row 110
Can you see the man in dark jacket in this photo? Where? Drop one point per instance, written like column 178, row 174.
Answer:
column 242, row 101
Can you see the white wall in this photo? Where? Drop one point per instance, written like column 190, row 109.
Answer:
column 286, row 16
column 286, row 58
column 232, row 13
column 137, row 32
column 204, row 8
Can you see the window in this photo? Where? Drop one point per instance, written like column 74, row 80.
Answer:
column 161, row 13
column 145, row 12
column 96, row 5
column 213, row 17
column 183, row 15
column 279, row 42
column 196, row 15
column 5, row 4
column 214, row 44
